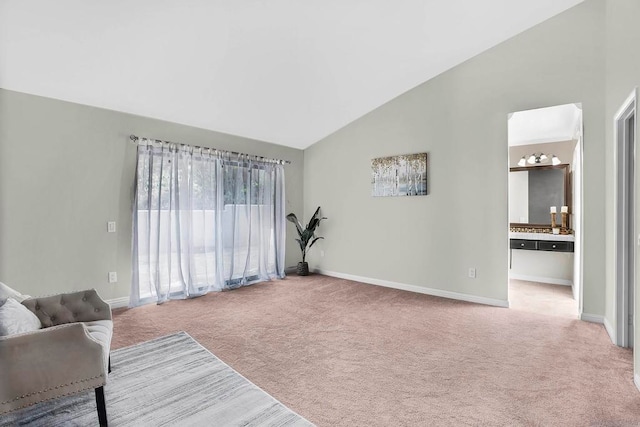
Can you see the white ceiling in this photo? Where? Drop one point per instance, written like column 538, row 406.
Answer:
column 284, row 71
column 544, row 125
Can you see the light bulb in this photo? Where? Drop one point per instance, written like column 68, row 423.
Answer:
column 532, row 159
column 543, row 157
column 555, row 160
column 522, row 162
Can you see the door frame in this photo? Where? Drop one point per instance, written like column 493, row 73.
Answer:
column 622, row 227
column 578, row 187
column 577, row 207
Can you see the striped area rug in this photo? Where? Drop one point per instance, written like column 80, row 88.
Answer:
column 169, row 381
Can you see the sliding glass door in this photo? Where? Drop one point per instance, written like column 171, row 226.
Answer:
column 204, row 222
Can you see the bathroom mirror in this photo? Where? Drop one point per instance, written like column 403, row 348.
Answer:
column 533, row 190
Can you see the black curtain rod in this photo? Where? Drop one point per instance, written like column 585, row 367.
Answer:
column 135, row 139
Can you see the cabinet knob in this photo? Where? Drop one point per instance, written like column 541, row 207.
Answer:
column 521, row 244
column 554, row 246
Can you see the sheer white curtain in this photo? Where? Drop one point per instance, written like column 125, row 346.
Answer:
column 204, row 222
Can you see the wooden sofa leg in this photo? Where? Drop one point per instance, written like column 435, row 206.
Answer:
column 102, row 409
column 109, row 364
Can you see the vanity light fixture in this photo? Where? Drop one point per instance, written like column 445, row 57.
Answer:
column 536, row 159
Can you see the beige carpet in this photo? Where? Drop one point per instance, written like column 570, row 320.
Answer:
column 542, row 298
column 341, row 353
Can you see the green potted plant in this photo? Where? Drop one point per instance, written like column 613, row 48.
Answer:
column 307, row 238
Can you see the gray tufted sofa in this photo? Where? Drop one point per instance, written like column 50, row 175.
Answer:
column 68, row 355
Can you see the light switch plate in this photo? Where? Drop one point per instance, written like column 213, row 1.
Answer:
column 113, row 277
column 111, row 227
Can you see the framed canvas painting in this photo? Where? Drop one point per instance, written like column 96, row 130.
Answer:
column 404, row 175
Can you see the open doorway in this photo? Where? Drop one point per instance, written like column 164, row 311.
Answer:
column 545, row 207
column 625, row 224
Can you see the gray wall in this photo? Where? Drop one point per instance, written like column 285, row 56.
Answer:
column 460, row 119
column 67, row 169
column 622, row 76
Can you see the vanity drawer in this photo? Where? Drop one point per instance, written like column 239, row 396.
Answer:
column 555, row 246
column 524, row 244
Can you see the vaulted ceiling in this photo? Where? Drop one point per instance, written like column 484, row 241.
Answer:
column 284, row 71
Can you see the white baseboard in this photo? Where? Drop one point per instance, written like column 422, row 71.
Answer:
column 541, row 279
column 417, row 289
column 593, row 318
column 610, row 330
column 636, row 381
column 118, row 302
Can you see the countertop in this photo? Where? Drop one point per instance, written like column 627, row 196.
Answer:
column 543, row 236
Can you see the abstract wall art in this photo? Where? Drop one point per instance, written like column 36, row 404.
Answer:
column 404, row 175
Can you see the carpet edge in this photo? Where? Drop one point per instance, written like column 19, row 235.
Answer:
column 245, row 378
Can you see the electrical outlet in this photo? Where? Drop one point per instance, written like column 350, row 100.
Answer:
column 111, row 227
column 113, row 277
column 472, row 273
